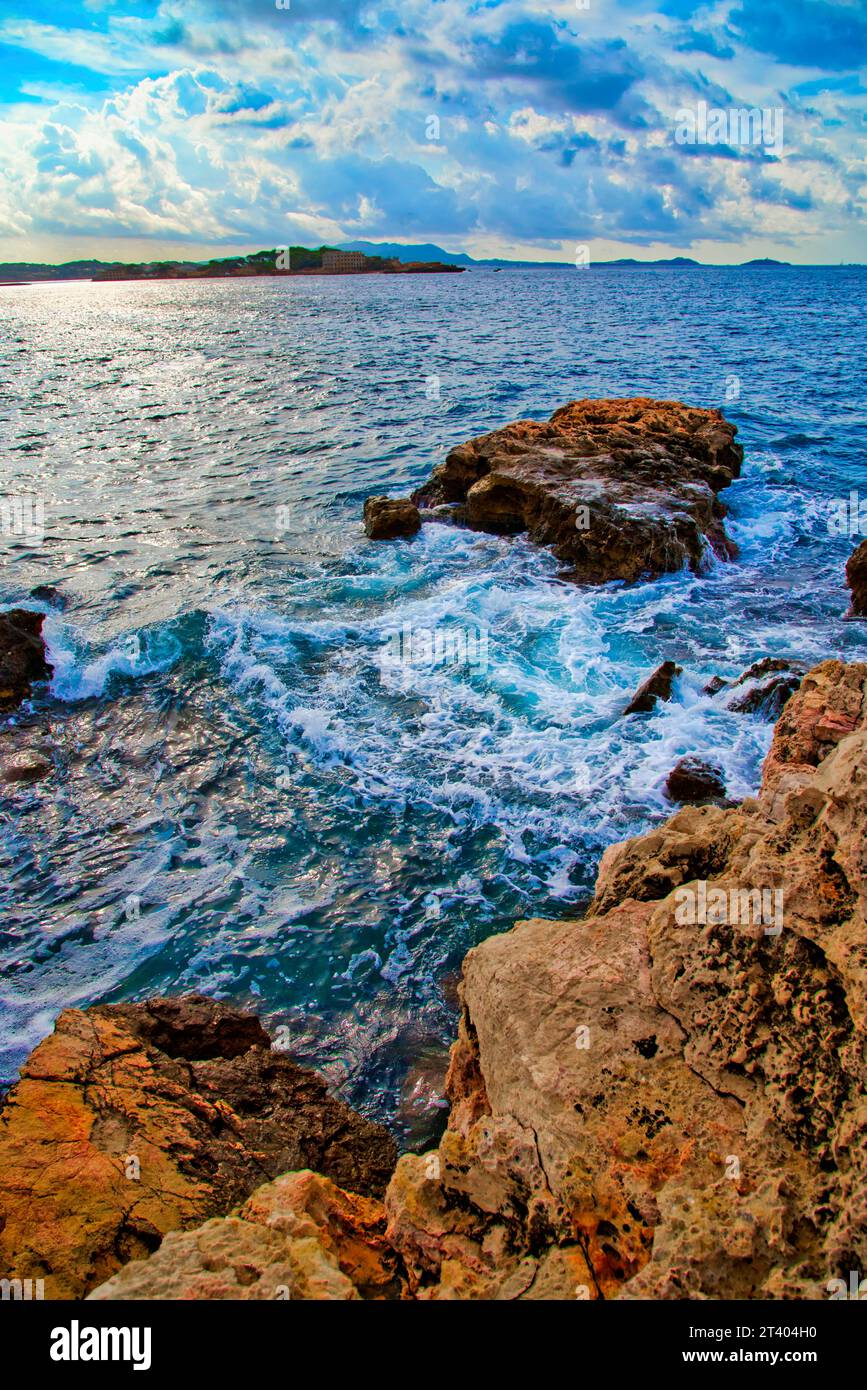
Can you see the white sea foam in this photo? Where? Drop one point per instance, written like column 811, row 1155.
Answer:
column 533, row 745
column 81, row 675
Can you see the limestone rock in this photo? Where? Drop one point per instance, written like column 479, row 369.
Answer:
column 386, row 518
column 829, row 705
column 228, row 1258
column 137, row 1119
column 658, row 686
column 300, row 1237
column 22, row 656
column 696, row 843
column 665, row 1099
column 618, row 489
column 856, row 578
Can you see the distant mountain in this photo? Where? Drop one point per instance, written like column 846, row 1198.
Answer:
column 671, row 261
column 396, row 251
column 764, row 260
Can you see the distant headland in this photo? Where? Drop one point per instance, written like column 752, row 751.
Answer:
column 287, row 260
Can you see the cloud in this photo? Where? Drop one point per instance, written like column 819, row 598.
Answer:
column 231, row 122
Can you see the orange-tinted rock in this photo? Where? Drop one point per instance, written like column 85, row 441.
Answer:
column 387, row 518
column 133, row 1120
column 349, row 1226
column 618, row 489
column 829, row 705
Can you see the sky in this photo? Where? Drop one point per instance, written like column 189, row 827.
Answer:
column 152, row 129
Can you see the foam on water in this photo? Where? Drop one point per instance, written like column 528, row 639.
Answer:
column 80, row 674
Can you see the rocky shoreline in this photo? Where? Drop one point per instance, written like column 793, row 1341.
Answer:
column 663, row 1099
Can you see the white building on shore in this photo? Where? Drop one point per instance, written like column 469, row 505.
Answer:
column 343, row 260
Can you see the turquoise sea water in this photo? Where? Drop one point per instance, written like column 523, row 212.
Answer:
column 250, row 800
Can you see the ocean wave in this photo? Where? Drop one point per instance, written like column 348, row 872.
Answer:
column 82, row 673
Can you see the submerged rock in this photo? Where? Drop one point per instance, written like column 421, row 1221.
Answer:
column 618, row 489
column 47, row 593
column 131, row 1120
column 22, row 656
column 694, row 781
column 26, row 766
column 386, row 518
column 856, row 578
column 659, row 686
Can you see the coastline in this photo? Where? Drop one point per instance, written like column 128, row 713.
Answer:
column 610, row 1074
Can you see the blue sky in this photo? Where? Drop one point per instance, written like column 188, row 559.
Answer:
column 144, row 128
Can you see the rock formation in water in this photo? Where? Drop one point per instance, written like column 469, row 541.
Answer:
column 765, row 687
column 856, row 578
column 658, row 686
column 694, row 781
column 133, row 1120
column 618, row 489
column 22, row 656
column 387, row 518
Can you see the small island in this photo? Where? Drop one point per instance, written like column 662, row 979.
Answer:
column 287, row 260
column 281, row 260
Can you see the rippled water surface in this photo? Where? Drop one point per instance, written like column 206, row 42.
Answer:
column 247, row 800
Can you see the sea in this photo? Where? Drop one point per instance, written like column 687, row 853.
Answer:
column 305, row 772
